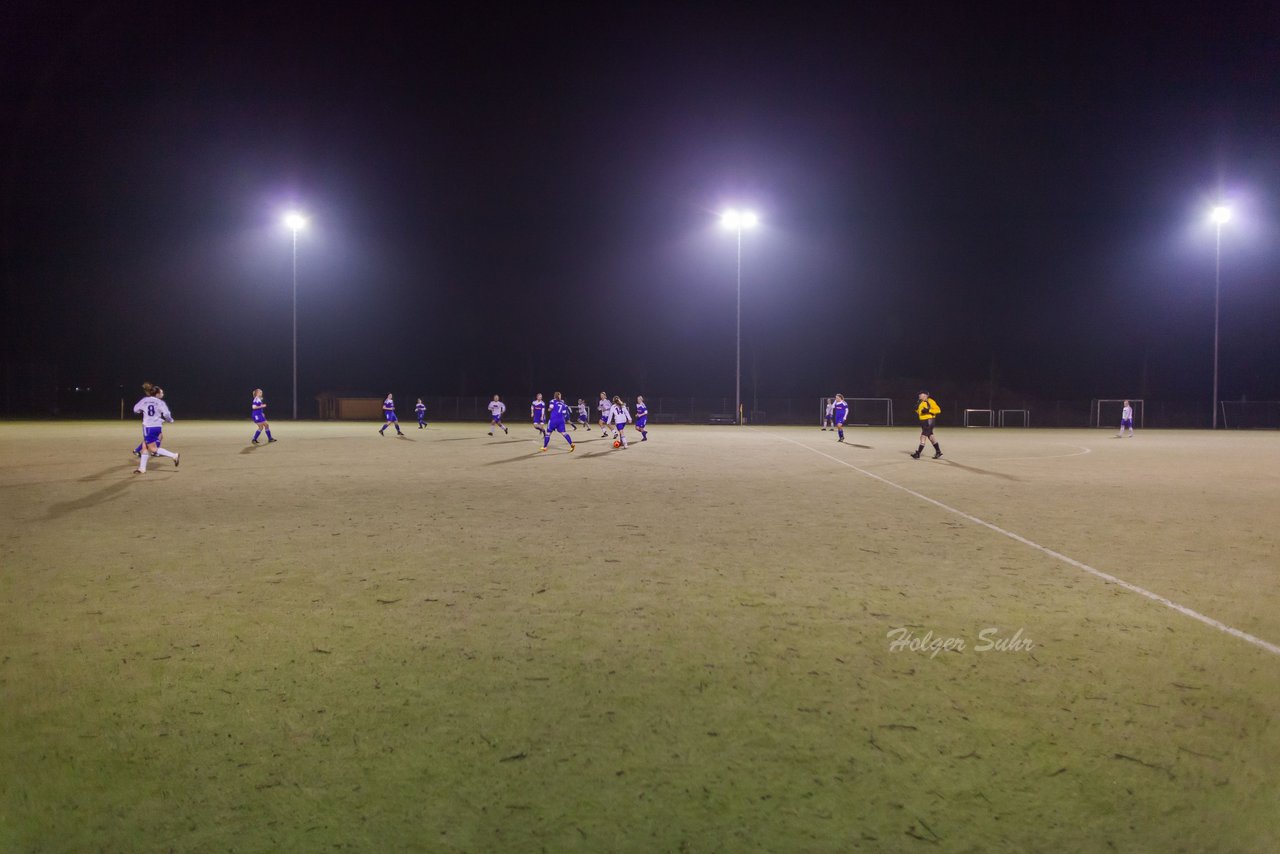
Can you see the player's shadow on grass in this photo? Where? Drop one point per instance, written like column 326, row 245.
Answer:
column 99, row 475
column 107, row 493
column 856, row 445
column 460, row 439
column 510, row 441
column 964, row 467
column 249, row 449
column 534, row 455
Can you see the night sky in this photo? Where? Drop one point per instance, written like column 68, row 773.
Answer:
column 524, row 197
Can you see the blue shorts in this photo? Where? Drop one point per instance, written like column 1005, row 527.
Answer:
column 840, row 421
column 497, row 419
column 556, row 424
column 391, row 417
column 1126, row 422
column 641, row 421
column 151, row 435
column 259, row 417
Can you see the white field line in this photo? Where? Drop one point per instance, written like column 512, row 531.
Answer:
column 1079, row 452
column 1133, row 588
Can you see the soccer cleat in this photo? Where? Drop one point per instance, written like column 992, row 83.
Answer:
column 505, row 431
column 916, row 455
column 176, row 457
column 841, row 439
column 138, row 454
column 540, row 450
column 255, row 441
column 938, row 455
column 571, row 447
column 269, row 441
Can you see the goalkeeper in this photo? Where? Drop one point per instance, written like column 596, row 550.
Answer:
column 927, row 409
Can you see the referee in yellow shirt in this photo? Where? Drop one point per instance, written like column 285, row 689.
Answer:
column 927, row 409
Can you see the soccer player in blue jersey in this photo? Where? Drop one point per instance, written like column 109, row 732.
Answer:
column 421, row 409
column 154, row 413
column 642, row 417
column 389, row 412
column 620, row 416
column 259, row 412
column 537, row 411
column 496, row 408
column 839, row 411
column 557, row 412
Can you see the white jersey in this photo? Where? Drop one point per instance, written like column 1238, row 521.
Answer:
column 497, row 407
column 154, row 411
column 831, row 405
column 1126, row 414
column 620, row 413
column 605, row 408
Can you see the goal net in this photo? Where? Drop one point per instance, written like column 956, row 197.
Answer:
column 1250, row 414
column 1106, row 413
column 863, row 411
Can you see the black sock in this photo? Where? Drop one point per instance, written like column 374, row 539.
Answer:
column 920, row 449
column 937, row 449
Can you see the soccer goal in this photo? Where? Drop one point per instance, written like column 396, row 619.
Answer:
column 863, row 411
column 1106, row 413
column 979, row 418
column 1015, row 417
column 1250, row 414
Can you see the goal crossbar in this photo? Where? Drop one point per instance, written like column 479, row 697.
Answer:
column 1105, row 412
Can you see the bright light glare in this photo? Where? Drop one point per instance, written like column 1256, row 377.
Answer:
column 1221, row 214
column 295, row 220
column 738, row 220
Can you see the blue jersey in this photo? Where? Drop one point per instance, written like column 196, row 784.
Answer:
column 538, row 407
column 839, row 410
column 559, row 410
column 259, row 410
column 421, row 409
column 389, row 409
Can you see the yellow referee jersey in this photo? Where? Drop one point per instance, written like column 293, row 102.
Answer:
column 927, row 409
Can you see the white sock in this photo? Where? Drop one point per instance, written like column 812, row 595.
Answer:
column 163, row 453
column 142, row 461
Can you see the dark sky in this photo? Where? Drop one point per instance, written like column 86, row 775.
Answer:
column 517, row 197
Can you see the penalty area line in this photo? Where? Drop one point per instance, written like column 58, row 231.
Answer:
column 1070, row 561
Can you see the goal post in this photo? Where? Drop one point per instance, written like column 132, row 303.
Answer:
column 1106, row 412
column 1015, row 417
column 979, row 418
column 863, row 411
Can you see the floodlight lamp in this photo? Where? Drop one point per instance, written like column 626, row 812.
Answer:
column 1220, row 215
column 295, row 220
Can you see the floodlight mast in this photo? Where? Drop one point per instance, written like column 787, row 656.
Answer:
column 1220, row 215
column 737, row 220
column 295, row 222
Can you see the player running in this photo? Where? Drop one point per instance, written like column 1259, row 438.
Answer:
column 496, row 408
column 927, row 409
column 642, row 417
column 259, row 413
column 606, row 412
column 421, row 409
column 839, row 411
column 1126, row 420
column 389, row 412
column 538, row 411
column 620, row 416
column 557, row 412
column 137, row 452
column 154, row 413
column 582, row 413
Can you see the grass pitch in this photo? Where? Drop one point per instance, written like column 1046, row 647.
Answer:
column 453, row 642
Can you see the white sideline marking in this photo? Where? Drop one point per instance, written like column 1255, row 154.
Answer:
column 1141, row 591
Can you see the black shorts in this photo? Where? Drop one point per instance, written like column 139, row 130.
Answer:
column 926, row 427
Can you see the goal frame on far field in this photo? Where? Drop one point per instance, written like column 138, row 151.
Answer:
column 1110, row 409
column 859, row 409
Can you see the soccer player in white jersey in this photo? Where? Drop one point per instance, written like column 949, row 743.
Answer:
column 557, row 412
column 259, row 413
column 1126, row 420
column 389, row 412
column 582, row 413
column 496, row 408
column 606, row 412
column 831, row 405
column 137, row 452
column 620, row 417
column 154, row 413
